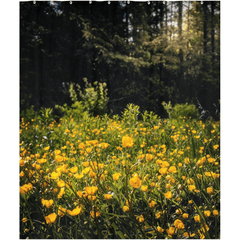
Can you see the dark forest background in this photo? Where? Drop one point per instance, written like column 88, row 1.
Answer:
column 145, row 53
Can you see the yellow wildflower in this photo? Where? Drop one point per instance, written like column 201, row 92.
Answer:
column 95, row 214
column 215, row 212
column 91, row 190
column 197, row 218
column 75, row 211
column 144, row 188
column 47, row 203
column 135, row 182
column 125, row 208
column 127, row 141
column 210, row 190
column 168, row 195
column 158, row 214
column 55, row 175
column 61, row 183
column 160, row 229
column 61, row 211
column 152, row 204
column 116, row 176
column 108, row 196
column 51, row 218
column 207, row 213
column 178, row 224
column 140, row 218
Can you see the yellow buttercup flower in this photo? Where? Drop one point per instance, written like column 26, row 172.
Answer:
column 185, row 215
column 91, row 190
column 207, row 213
column 168, row 195
column 197, row 218
column 215, row 147
column 61, row 184
column 127, row 141
column 61, row 211
column 191, row 187
column 92, row 198
column 210, row 190
column 26, row 188
column 62, row 191
column 104, row 145
column 95, row 214
column 179, row 211
column 58, row 158
column 149, row 157
column 55, row 175
column 57, row 152
column 171, row 230
column 163, row 170
column 75, row 211
column 152, row 204
column 47, row 203
column 125, row 208
column 92, row 174
column 108, row 196
column 85, row 164
column 135, row 182
column 215, row 212
column 116, row 176
column 24, row 220
column 160, row 229
column 51, row 218
column 42, row 160
column 73, row 169
column 140, row 218
column 178, row 224
column 144, row 188
column 172, row 169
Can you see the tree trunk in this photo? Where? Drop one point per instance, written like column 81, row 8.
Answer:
column 180, row 80
column 212, row 31
column 205, row 29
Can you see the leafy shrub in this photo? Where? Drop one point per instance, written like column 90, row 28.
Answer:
column 92, row 100
column 94, row 97
column 43, row 115
column 131, row 113
column 181, row 110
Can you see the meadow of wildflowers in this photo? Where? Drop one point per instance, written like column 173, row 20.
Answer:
column 119, row 177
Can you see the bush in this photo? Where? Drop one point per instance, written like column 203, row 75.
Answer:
column 181, row 110
column 91, row 101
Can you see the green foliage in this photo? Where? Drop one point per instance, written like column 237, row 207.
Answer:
column 43, row 115
column 77, row 110
column 181, row 110
column 130, row 113
column 91, row 101
column 150, row 116
column 94, row 97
